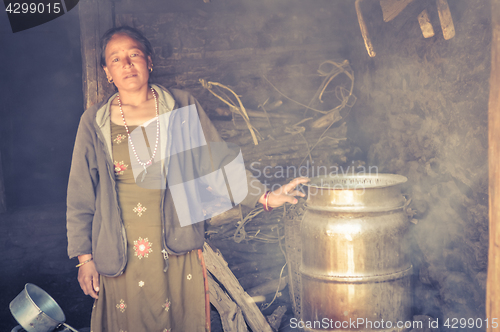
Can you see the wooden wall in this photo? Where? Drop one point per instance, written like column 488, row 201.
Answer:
column 493, row 287
column 95, row 18
column 235, row 43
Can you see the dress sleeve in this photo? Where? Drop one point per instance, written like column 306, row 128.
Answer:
column 82, row 184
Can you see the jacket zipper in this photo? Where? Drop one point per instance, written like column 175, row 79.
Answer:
column 163, row 223
column 111, row 175
column 164, row 251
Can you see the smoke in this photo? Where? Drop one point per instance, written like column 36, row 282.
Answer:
column 422, row 113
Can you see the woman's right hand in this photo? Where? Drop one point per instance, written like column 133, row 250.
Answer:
column 88, row 276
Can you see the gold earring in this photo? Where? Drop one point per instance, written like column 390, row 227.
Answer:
column 151, row 68
column 110, row 80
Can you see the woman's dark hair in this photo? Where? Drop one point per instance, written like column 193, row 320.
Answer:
column 132, row 33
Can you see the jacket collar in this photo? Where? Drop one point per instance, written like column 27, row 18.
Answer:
column 166, row 104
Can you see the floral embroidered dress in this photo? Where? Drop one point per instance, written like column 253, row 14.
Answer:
column 145, row 298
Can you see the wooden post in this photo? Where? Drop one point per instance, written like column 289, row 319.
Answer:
column 96, row 16
column 3, row 202
column 493, row 281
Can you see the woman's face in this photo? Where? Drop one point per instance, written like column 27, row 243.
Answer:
column 126, row 63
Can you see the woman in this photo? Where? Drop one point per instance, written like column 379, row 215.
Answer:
column 145, row 271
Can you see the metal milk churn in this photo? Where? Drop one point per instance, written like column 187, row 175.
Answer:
column 355, row 266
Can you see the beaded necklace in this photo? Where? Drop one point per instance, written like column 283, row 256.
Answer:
column 150, row 161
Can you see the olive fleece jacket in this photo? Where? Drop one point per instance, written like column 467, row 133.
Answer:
column 94, row 224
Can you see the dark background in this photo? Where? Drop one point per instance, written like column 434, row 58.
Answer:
column 40, row 106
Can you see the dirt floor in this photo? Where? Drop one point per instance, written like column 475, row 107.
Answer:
column 33, row 242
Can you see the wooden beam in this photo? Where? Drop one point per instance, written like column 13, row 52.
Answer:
column 493, row 281
column 217, row 266
column 96, row 16
column 230, row 314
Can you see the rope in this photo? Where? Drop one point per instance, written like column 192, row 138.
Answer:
column 294, row 101
column 265, row 306
column 236, row 109
column 240, row 233
column 265, row 112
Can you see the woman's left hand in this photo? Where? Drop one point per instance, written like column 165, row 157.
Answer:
column 284, row 194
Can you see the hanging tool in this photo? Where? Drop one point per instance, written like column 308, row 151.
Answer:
column 425, row 24
column 445, row 19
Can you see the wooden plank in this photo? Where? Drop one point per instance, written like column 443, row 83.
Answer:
column 230, row 314
column 425, row 24
column 492, row 284
column 392, row 8
column 217, row 266
column 96, row 16
column 445, row 19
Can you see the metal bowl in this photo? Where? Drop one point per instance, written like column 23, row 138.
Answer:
column 36, row 311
